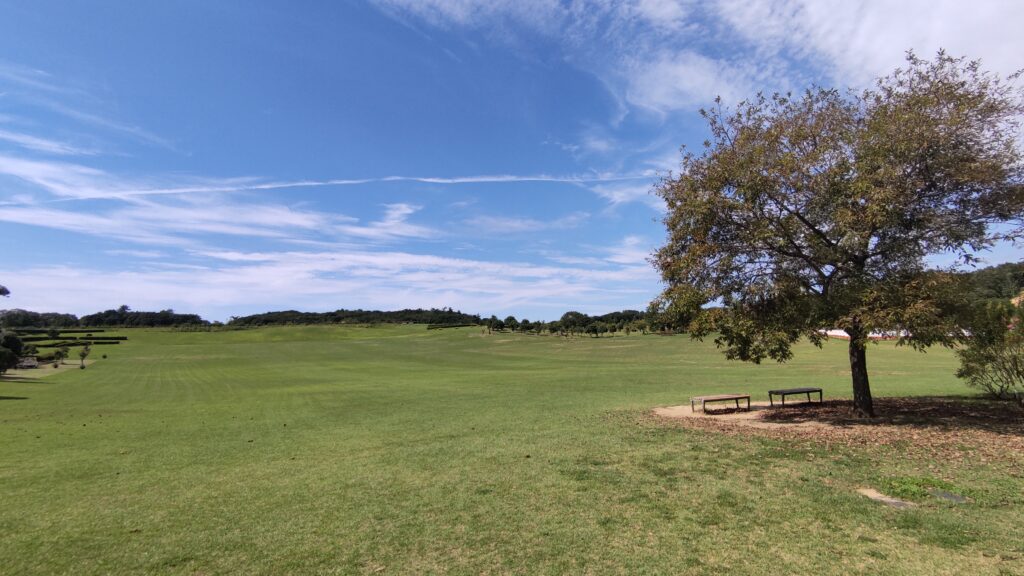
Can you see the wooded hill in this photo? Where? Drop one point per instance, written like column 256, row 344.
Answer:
column 408, row 316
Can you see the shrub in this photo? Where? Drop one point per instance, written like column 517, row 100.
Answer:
column 8, row 359
column 993, row 358
column 12, row 342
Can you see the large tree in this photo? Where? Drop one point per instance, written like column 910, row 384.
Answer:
column 819, row 211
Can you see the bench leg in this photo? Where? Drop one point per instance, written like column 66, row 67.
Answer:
column 771, row 400
column 748, row 404
column 808, row 397
column 737, row 404
column 819, row 397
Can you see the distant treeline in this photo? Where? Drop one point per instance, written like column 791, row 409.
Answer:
column 436, row 316
column 1000, row 282
column 124, row 316
column 578, row 323
column 18, row 318
column 121, row 317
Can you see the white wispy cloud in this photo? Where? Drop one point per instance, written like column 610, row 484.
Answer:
column 40, row 89
column 136, row 253
column 509, row 224
column 187, row 222
column 26, row 77
column 687, row 80
column 98, row 120
column 669, row 14
column 393, row 225
column 175, row 210
column 99, row 225
column 235, row 281
column 857, row 40
column 38, row 144
column 632, row 251
column 58, row 178
column 617, row 194
column 74, row 181
column 643, row 51
column 669, row 56
column 540, row 14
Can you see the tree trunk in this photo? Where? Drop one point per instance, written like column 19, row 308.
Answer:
column 862, row 404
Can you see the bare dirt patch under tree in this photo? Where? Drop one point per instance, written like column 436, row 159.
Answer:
column 985, row 431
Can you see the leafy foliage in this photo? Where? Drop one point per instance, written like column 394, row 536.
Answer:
column 993, row 357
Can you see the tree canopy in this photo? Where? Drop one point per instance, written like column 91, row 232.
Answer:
column 818, row 211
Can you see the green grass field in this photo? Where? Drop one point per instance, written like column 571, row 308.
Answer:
column 352, row 450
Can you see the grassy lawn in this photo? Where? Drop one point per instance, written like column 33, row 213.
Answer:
column 350, row 450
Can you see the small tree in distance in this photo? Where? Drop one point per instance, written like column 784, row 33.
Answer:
column 511, row 323
column 818, row 211
column 84, row 353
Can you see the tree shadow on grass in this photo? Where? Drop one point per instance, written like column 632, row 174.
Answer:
column 19, row 379
column 938, row 413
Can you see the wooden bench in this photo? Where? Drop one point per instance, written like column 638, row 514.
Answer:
column 719, row 398
column 790, row 392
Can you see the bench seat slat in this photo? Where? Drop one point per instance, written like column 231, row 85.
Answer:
column 794, row 391
column 721, row 397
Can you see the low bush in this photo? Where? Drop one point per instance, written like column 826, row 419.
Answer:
column 993, row 358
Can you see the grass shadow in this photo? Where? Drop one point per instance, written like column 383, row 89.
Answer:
column 13, row 398
column 946, row 413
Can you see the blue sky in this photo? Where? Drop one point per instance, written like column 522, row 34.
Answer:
column 494, row 156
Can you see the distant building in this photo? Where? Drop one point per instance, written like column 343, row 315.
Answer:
column 27, row 362
column 842, row 335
